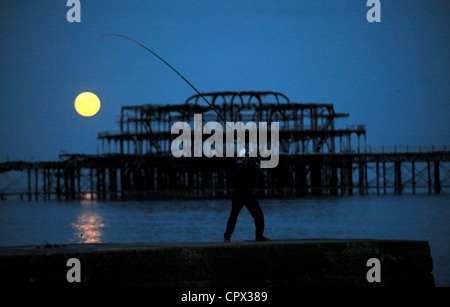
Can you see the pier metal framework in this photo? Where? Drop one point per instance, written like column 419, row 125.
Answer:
column 316, row 157
column 304, row 127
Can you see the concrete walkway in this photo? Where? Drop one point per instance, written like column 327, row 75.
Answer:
column 312, row 262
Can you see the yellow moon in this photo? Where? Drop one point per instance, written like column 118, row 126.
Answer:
column 87, row 104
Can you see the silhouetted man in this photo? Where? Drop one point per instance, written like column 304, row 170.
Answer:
column 246, row 176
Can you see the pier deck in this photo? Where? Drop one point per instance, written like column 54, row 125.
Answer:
column 114, row 176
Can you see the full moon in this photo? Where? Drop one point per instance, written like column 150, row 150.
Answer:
column 87, row 104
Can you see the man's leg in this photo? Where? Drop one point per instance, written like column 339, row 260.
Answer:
column 255, row 210
column 236, row 206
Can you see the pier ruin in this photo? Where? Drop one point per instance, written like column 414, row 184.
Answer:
column 316, row 157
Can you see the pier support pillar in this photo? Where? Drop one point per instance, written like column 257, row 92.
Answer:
column 437, row 179
column 316, row 179
column 398, row 177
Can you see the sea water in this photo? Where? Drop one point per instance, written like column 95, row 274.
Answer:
column 409, row 217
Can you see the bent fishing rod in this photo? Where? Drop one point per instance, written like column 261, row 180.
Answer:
column 185, row 80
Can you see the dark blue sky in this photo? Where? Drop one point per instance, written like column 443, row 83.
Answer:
column 392, row 76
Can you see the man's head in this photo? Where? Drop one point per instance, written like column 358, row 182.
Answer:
column 242, row 155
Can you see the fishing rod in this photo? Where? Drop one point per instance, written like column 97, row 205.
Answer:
column 172, row 68
column 187, row 81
